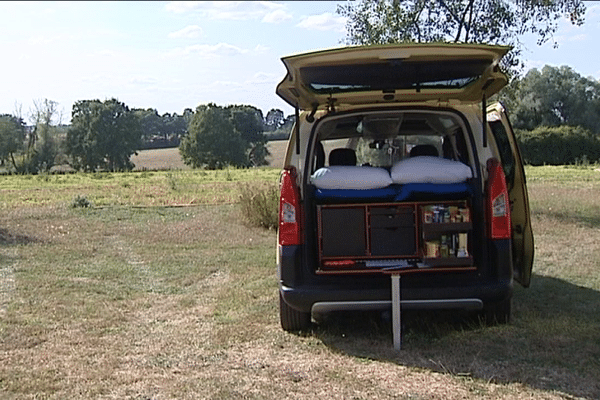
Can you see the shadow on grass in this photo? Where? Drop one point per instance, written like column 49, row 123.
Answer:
column 8, row 239
column 552, row 343
column 589, row 219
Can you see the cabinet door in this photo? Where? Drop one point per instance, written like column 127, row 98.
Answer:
column 393, row 241
column 343, row 232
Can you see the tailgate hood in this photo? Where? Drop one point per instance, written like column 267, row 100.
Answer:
column 392, row 74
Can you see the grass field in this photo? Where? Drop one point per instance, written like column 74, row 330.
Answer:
column 160, row 291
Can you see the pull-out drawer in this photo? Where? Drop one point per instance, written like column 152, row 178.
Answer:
column 392, row 231
column 392, row 217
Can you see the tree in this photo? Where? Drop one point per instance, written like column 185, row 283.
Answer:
column 175, row 126
column 42, row 143
column 222, row 136
column 159, row 131
column 103, row 135
column 554, row 96
column 249, row 122
column 212, row 141
column 469, row 21
column 12, row 136
column 150, row 121
column 273, row 120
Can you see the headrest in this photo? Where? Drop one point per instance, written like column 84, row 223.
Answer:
column 424, row 150
column 342, row 156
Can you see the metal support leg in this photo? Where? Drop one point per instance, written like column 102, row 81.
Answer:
column 396, row 317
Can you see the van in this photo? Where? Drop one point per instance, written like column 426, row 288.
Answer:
column 397, row 164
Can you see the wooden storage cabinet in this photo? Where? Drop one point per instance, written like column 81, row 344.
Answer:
column 352, row 236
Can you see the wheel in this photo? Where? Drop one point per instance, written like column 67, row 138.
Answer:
column 497, row 313
column 291, row 319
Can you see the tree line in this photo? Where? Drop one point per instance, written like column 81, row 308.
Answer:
column 103, row 135
column 555, row 112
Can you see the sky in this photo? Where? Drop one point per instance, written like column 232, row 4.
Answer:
column 170, row 56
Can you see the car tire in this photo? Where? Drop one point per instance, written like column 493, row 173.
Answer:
column 498, row 313
column 291, row 319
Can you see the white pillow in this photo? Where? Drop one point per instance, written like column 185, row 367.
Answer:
column 428, row 169
column 350, row 177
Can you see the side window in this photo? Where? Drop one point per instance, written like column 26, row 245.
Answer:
column 506, row 154
column 461, row 147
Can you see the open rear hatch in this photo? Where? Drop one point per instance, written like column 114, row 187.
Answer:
column 392, row 73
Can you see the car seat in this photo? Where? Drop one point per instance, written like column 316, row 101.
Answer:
column 342, row 156
column 424, row 150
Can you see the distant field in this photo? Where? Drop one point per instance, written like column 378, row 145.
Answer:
column 170, row 159
column 159, row 159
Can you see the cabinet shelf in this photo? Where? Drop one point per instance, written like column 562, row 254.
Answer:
column 446, row 227
column 448, row 261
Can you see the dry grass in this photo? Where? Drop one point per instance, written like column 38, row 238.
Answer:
column 122, row 302
column 159, row 159
column 170, row 159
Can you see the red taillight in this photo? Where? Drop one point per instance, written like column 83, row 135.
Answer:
column 498, row 202
column 289, row 232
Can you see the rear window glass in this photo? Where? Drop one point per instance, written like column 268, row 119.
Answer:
column 384, row 139
column 392, row 75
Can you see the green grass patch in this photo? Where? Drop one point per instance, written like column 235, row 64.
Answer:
column 140, row 188
column 138, row 297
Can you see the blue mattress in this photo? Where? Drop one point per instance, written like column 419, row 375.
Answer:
column 406, row 192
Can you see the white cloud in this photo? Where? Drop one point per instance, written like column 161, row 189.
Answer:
column 104, row 53
column 189, row 32
column 143, row 80
column 261, row 78
column 208, row 51
column 261, row 49
column 225, row 84
column 592, row 10
column 266, row 11
column 180, row 7
column 45, row 40
column 324, row 22
column 531, row 64
column 277, row 16
column 577, row 38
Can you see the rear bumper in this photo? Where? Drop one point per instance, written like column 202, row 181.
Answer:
column 305, row 292
column 316, row 299
column 466, row 304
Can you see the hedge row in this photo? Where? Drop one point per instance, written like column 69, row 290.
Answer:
column 559, row 145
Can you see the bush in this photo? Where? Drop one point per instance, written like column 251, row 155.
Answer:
column 260, row 204
column 81, row 202
column 558, row 145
